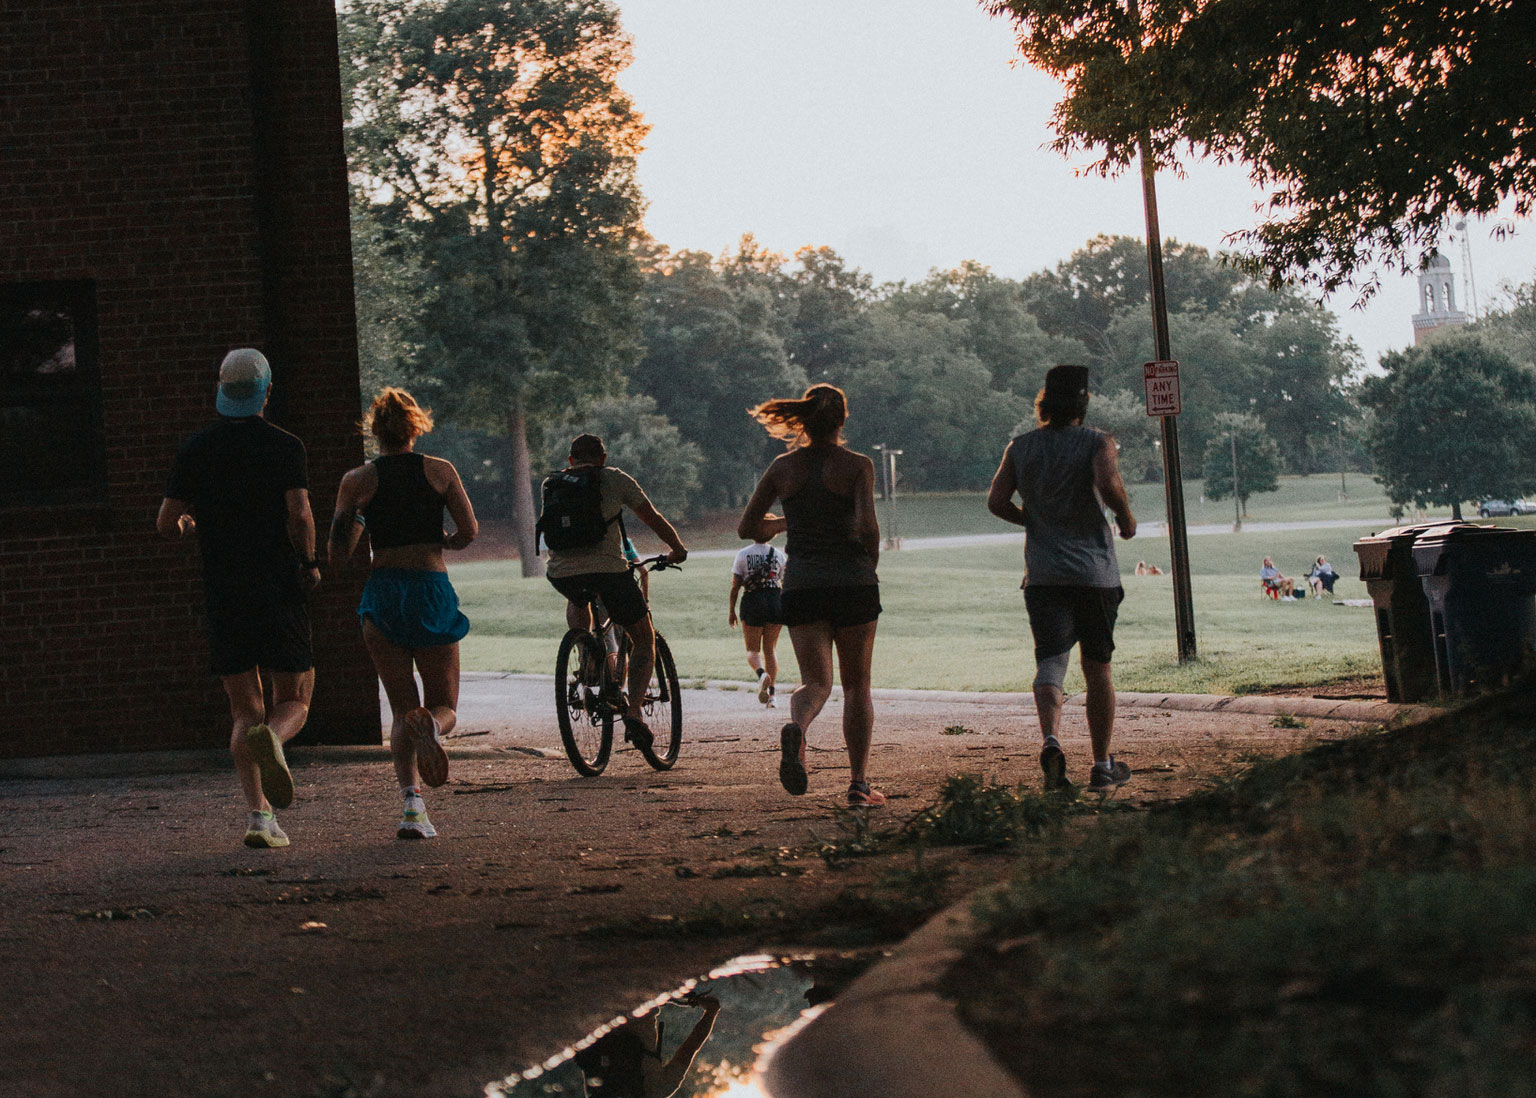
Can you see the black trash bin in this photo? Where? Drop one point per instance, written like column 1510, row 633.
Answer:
column 1402, row 611
column 1480, row 583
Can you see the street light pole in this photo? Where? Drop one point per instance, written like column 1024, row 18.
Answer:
column 1237, row 513
column 1343, row 492
column 888, row 471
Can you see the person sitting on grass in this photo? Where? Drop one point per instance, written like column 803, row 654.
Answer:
column 1276, row 586
column 1321, row 578
column 1145, row 569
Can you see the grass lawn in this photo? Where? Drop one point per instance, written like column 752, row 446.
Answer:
column 954, row 619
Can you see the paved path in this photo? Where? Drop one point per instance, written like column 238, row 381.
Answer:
column 140, row 936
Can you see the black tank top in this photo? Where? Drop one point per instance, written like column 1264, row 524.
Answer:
column 820, row 544
column 406, row 509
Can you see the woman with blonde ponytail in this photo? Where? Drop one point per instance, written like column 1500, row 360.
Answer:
column 831, row 598
column 410, row 613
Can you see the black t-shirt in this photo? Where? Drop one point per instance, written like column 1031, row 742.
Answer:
column 235, row 477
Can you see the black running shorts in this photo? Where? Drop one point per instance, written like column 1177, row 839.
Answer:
column 762, row 607
column 839, row 607
column 1061, row 616
column 273, row 637
column 620, row 593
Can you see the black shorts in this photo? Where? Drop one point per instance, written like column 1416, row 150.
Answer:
column 274, row 637
column 620, row 593
column 762, row 607
column 1060, row 617
column 839, row 607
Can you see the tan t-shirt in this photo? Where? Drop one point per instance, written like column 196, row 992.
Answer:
column 620, row 490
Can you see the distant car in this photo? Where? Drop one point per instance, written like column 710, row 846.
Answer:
column 1491, row 508
column 1525, row 506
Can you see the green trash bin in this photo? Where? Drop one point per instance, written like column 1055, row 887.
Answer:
column 1402, row 611
column 1480, row 584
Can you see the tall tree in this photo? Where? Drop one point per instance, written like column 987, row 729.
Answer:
column 496, row 128
column 1369, row 122
column 1258, row 459
column 1453, row 421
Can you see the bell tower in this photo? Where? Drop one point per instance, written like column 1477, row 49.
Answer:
column 1437, row 298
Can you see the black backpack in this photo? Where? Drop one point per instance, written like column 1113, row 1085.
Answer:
column 572, row 516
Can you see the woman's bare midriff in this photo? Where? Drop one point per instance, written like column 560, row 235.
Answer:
column 416, row 558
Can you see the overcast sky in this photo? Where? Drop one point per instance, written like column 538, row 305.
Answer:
column 899, row 133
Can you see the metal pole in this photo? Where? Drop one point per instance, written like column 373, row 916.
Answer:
column 895, row 528
column 1173, row 476
column 1237, row 514
column 1343, row 492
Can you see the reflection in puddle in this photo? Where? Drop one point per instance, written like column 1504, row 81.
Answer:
column 702, row 1040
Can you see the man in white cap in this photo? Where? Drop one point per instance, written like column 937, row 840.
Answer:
column 1065, row 475
column 242, row 486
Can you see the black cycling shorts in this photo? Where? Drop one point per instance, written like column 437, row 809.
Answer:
column 839, row 607
column 274, row 637
column 620, row 593
column 1061, row 616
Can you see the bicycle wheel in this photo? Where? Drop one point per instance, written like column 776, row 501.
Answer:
column 663, row 710
column 586, row 724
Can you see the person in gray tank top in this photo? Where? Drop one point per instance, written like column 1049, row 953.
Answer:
column 831, row 597
column 1065, row 475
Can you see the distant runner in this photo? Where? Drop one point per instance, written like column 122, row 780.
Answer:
column 757, row 575
column 1065, row 474
column 242, row 486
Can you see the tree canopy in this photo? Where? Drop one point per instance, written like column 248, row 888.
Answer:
column 1453, row 421
column 495, row 131
column 1369, row 122
column 1258, row 459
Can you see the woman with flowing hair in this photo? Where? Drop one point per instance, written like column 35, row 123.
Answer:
column 831, row 595
column 410, row 612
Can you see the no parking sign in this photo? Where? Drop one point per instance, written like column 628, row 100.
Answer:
column 1162, row 384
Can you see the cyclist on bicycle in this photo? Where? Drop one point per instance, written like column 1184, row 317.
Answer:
column 586, row 557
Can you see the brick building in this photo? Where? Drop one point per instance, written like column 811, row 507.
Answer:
column 172, row 184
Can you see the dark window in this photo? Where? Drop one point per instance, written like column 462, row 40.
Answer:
column 52, row 444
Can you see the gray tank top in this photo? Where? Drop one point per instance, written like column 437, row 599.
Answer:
column 820, row 545
column 1067, row 539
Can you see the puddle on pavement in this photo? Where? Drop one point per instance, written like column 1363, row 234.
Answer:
column 678, row 1045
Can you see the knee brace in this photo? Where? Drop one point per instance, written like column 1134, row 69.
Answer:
column 1052, row 671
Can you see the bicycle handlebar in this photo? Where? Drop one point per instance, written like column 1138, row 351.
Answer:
column 655, row 564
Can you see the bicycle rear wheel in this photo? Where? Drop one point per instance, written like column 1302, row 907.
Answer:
column 663, row 710
column 586, row 724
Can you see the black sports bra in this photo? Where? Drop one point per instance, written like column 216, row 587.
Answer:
column 405, row 509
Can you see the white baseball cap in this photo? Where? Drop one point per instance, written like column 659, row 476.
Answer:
column 244, row 378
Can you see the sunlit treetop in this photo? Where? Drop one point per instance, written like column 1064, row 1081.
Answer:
column 1368, row 122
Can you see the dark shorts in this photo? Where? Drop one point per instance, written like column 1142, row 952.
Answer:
column 839, row 607
column 274, row 637
column 413, row 608
column 762, row 607
column 620, row 593
column 1060, row 617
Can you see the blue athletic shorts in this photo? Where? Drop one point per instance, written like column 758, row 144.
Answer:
column 414, row 609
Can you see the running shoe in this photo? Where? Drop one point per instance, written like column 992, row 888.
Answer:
column 413, row 821
column 860, row 795
column 1108, row 777
column 276, row 778
column 637, row 733
column 765, row 690
column 614, row 698
column 431, row 759
column 262, row 831
column 1053, row 763
column 792, row 775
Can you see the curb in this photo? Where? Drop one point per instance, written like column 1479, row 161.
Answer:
column 894, row 1032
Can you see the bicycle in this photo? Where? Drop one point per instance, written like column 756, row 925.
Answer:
column 589, row 692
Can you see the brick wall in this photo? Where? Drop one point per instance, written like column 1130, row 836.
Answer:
column 186, row 156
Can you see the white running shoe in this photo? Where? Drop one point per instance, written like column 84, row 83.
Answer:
column 765, row 690
column 413, row 821
column 262, row 832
